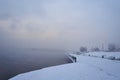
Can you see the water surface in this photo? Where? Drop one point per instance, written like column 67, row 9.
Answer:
column 16, row 61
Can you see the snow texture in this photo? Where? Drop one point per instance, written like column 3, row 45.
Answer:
column 106, row 55
column 86, row 68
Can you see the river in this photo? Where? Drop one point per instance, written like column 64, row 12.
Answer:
column 16, row 61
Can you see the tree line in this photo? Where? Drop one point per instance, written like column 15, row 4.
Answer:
column 110, row 48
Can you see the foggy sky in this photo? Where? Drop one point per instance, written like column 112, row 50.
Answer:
column 59, row 24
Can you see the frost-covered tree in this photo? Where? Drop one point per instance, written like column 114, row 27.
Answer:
column 95, row 49
column 111, row 47
column 83, row 49
column 118, row 49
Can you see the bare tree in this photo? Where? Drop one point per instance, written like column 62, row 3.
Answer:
column 95, row 49
column 111, row 47
column 118, row 49
column 83, row 49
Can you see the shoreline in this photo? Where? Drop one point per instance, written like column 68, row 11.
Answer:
column 21, row 61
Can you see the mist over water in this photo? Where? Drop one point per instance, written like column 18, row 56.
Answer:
column 16, row 61
column 26, row 26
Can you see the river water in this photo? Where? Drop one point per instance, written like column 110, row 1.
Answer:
column 16, row 61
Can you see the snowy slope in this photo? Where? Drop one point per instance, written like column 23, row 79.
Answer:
column 86, row 68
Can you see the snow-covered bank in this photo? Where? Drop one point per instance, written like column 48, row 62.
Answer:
column 106, row 55
column 86, row 68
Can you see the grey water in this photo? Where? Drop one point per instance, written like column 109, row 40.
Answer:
column 16, row 61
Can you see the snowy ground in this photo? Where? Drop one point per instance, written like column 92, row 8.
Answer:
column 106, row 55
column 86, row 68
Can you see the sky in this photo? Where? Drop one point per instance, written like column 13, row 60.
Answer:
column 59, row 24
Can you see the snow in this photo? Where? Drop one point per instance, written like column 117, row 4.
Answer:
column 86, row 68
column 107, row 55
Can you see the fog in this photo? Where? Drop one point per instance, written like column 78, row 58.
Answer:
column 63, row 24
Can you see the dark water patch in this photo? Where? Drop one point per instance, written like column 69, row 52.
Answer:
column 16, row 61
